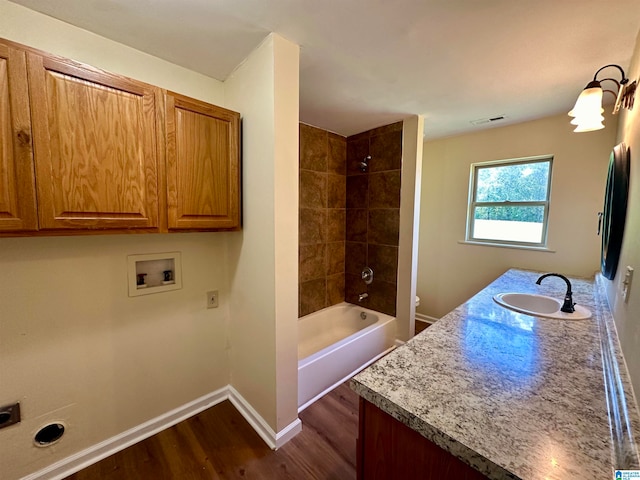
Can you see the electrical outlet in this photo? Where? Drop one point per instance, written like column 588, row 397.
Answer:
column 9, row 415
column 212, row 299
column 626, row 283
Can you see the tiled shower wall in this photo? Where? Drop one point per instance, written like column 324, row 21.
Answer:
column 349, row 219
column 373, row 216
column 322, row 219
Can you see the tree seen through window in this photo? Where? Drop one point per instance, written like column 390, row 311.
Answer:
column 509, row 201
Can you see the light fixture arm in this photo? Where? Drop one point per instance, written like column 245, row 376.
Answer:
column 624, row 78
column 611, row 80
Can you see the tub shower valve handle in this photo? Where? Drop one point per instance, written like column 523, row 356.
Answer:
column 367, row 275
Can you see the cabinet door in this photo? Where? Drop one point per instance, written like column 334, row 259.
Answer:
column 203, row 165
column 17, row 185
column 95, row 147
column 388, row 448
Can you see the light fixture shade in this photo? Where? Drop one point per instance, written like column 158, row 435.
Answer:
column 587, row 111
column 588, row 125
column 589, row 102
column 586, row 119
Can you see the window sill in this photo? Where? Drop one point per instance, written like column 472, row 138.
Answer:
column 507, row 245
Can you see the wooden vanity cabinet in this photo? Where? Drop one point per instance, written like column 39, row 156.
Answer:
column 203, row 165
column 387, row 448
column 95, row 143
column 17, row 182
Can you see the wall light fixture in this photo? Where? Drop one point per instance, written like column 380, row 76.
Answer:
column 587, row 112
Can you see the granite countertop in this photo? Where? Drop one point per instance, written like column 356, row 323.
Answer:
column 512, row 395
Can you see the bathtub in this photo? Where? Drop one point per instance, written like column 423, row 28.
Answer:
column 335, row 343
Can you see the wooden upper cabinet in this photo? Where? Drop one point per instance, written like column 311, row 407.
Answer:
column 84, row 150
column 95, row 147
column 203, row 165
column 17, row 183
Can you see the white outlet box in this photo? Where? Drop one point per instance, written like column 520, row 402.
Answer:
column 212, row 299
column 146, row 273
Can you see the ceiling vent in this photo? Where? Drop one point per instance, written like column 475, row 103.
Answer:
column 484, row 121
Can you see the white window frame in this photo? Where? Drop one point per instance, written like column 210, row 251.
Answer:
column 472, row 203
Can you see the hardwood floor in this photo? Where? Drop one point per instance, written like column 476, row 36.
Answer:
column 420, row 326
column 219, row 444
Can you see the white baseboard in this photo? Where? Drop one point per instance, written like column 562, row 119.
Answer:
column 426, row 318
column 262, row 428
column 95, row 453
column 288, row 432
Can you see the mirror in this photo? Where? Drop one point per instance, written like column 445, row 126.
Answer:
column 615, row 209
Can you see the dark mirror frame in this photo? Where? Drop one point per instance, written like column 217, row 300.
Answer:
column 615, row 209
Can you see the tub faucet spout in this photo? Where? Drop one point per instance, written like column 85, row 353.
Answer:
column 362, row 296
column 568, row 304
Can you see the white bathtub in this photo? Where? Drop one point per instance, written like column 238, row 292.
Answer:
column 335, row 343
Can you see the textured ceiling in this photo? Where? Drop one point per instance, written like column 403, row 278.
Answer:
column 366, row 63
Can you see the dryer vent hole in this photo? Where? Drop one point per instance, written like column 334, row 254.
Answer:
column 49, row 434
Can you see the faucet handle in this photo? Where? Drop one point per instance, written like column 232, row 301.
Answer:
column 367, row 275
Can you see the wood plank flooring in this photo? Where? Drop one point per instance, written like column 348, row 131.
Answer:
column 420, row 326
column 219, row 444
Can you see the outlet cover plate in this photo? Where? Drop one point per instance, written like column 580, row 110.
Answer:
column 212, row 299
column 9, row 415
column 626, row 283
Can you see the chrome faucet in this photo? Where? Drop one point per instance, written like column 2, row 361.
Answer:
column 367, row 275
column 362, row 296
column 568, row 304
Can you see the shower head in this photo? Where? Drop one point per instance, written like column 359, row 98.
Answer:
column 364, row 165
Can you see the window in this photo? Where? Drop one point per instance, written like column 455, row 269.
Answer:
column 509, row 202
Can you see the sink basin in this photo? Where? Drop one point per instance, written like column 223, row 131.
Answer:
column 539, row 306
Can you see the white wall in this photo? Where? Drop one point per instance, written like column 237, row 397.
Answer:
column 450, row 272
column 286, row 148
column 264, row 263
column 73, row 345
column 412, row 133
column 45, row 33
column 627, row 315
